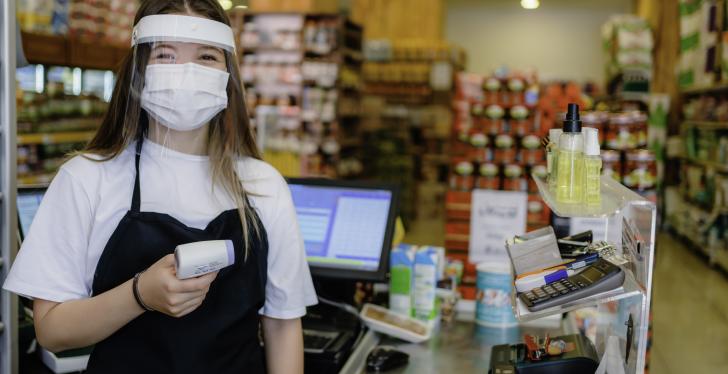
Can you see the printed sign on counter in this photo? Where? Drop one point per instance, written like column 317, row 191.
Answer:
column 494, row 217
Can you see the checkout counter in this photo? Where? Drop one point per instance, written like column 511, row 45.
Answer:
column 458, row 347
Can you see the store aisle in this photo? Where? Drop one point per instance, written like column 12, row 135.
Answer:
column 690, row 313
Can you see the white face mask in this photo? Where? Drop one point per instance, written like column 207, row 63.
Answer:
column 184, row 97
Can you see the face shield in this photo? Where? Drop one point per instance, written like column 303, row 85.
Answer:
column 181, row 70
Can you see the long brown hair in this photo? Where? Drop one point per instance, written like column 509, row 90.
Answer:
column 229, row 134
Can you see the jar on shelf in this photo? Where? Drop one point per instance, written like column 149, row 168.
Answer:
column 494, row 119
column 513, row 179
column 538, row 213
column 462, row 178
column 640, row 170
column 516, row 87
column 477, row 112
column 491, row 89
column 519, row 122
column 479, row 150
column 622, row 134
column 612, row 164
column 639, row 121
column 539, row 171
column 505, row 150
column 488, row 178
column 531, row 152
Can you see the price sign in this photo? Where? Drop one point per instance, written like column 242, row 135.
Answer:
column 494, row 217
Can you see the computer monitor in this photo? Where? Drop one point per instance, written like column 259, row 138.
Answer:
column 28, row 200
column 347, row 226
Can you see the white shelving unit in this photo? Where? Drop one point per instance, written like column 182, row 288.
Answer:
column 628, row 215
column 8, row 214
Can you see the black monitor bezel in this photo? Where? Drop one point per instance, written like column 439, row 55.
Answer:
column 381, row 273
column 25, row 190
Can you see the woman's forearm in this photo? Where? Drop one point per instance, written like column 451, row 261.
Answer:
column 80, row 323
column 283, row 338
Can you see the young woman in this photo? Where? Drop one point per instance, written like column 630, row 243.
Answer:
column 174, row 162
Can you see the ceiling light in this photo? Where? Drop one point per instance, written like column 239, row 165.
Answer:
column 226, row 4
column 530, row 4
column 241, row 7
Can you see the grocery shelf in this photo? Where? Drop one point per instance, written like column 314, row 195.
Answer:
column 706, row 124
column 67, row 51
column 38, row 180
column 629, row 288
column 55, row 138
column 614, row 196
column 723, row 168
column 700, row 89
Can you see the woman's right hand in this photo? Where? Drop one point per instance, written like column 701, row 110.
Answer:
column 160, row 289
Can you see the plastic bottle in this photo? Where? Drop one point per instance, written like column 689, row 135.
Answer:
column 551, row 157
column 592, row 167
column 570, row 162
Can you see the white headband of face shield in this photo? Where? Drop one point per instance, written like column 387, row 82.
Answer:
column 176, row 27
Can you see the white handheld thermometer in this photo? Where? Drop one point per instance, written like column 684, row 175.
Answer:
column 199, row 258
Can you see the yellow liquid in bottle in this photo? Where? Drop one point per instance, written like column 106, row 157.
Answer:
column 592, row 172
column 570, row 176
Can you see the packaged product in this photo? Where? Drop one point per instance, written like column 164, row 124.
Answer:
column 531, row 152
column 494, row 120
column 479, row 150
column 462, row 178
column 491, row 88
column 505, row 150
column 538, row 212
column 622, row 133
column 640, row 170
column 426, row 269
column 513, row 179
column 489, row 178
column 519, row 122
column 612, row 164
column 516, row 87
column 639, row 123
column 402, row 260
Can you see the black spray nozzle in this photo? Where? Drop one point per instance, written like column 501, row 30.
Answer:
column 572, row 122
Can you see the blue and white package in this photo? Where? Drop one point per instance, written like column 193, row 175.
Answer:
column 401, row 281
column 425, row 300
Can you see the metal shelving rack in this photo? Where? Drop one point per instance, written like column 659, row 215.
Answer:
column 8, row 215
column 625, row 211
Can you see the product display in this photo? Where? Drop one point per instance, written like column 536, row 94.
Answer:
column 107, row 20
column 301, row 74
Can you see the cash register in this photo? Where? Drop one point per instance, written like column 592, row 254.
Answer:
column 347, row 229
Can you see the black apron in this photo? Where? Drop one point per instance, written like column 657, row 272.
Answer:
column 221, row 336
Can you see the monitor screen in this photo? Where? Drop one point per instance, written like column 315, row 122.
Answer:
column 344, row 227
column 28, row 203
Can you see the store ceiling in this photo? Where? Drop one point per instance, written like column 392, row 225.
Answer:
column 546, row 4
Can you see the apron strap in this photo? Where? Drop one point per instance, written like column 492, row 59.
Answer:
column 136, row 198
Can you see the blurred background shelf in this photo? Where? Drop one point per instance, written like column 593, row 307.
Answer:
column 55, row 138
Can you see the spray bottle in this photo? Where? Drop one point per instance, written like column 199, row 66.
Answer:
column 552, row 150
column 592, row 167
column 570, row 159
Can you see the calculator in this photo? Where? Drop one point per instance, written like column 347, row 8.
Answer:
column 601, row 276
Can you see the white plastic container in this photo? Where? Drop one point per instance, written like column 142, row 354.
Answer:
column 394, row 324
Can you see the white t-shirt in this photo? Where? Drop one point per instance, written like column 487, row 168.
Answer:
column 87, row 200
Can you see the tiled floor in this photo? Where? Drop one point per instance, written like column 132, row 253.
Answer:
column 690, row 313
column 689, row 306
